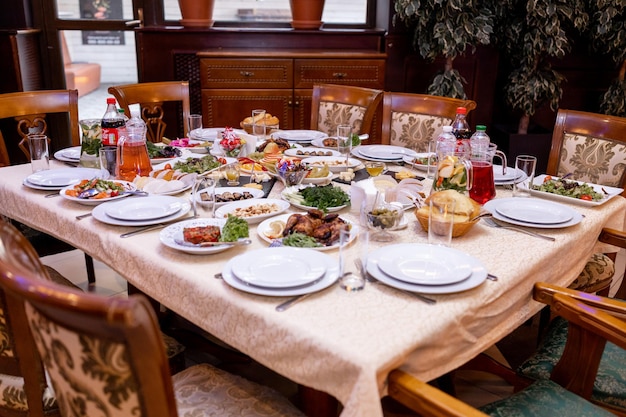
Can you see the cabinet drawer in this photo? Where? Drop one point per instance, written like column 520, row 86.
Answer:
column 246, row 73
column 359, row 72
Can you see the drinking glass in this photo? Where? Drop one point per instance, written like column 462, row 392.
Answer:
column 90, row 142
column 232, row 173
column 203, row 185
column 440, row 221
column 108, row 159
column 39, row 154
column 349, row 281
column 258, row 123
column 526, row 164
column 194, row 122
column 344, row 141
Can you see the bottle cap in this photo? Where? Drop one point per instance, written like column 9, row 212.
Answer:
column 447, row 129
column 461, row 110
column 110, row 100
column 481, row 128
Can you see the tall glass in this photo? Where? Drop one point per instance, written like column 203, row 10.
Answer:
column 258, row 123
column 90, row 142
column 344, row 141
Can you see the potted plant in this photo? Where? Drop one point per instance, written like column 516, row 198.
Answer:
column 446, row 29
column 196, row 13
column 306, row 14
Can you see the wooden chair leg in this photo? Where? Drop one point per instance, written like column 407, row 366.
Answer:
column 487, row 364
column 316, row 403
column 91, row 272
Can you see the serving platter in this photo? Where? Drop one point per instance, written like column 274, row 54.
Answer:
column 609, row 193
column 307, row 152
column 231, row 208
column 334, row 163
column 286, row 195
column 256, row 193
column 128, row 186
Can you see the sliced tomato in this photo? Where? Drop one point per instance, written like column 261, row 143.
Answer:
column 222, row 161
column 245, row 160
column 547, row 178
column 586, row 197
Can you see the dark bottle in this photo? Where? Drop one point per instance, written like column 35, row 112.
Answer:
column 462, row 132
column 111, row 122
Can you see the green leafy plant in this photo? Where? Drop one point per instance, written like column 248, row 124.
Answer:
column 446, row 28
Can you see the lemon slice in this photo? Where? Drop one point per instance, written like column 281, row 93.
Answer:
column 275, row 230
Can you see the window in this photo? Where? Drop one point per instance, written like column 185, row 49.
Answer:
column 348, row 12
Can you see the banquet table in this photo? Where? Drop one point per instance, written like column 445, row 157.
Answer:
column 341, row 343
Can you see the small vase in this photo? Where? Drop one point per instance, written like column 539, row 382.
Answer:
column 306, row 14
column 196, row 13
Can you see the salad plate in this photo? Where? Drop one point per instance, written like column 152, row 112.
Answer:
column 62, row 177
column 265, row 230
column 292, row 195
column 607, row 192
column 174, row 232
column 492, row 206
column 99, row 213
column 128, row 186
column 478, row 272
column 68, row 154
column 254, row 210
column 142, row 209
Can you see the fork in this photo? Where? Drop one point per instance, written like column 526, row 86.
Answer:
column 489, row 221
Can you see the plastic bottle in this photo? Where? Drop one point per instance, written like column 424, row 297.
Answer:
column 111, row 122
column 132, row 153
column 462, row 132
column 446, row 139
column 480, row 140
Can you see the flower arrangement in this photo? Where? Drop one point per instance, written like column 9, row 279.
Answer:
column 291, row 171
column 231, row 143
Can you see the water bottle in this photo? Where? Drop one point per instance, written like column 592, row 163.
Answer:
column 446, row 139
column 111, row 122
column 479, row 141
column 462, row 132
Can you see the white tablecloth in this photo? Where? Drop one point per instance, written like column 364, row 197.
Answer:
column 340, row 343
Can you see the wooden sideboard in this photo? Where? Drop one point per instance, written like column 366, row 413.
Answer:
column 237, row 81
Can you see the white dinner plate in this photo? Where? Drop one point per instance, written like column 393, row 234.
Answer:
column 335, row 163
column 206, row 134
column 99, row 213
column 146, row 208
column 410, row 159
column 221, row 190
column 264, row 227
column 311, row 151
column 357, row 152
column 510, row 175
column 434, row 265
column 319, row 143
column 329, row 278
column 173, row 232
column 492, row 206
column 478, row 276
column 286, row 195
column 128, row 186
column 610, row 193
column 68, row 154
column 63, row 177
column 230, row 208
column 174, row 192
column 268, row 270
column 301, row 136
column 385, row 152
column 535, row 211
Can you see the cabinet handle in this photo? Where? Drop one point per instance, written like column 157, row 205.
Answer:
column 296, row 104
column 247, row 73
column 340, row 74
column 290, row 103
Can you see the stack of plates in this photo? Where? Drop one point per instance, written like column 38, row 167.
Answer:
column 532, row 212
column 144, row 211
column 262, row 271
column 68, row 155
column 300, row 136
column 385, row 153
column 426, row 269
column 56, row 179
column 511, row 176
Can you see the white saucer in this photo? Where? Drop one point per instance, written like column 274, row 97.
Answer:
column 68, row 154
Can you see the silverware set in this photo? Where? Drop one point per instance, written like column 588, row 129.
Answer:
column 491, row 222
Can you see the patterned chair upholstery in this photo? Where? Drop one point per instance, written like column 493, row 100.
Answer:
column 155, row 100
column 105, row 355
column 590, row 147
column 333, row 105
column 568, row 390
column 414, row 120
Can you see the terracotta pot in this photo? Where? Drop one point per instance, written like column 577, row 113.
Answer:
column 306, row 14
column 196, row 13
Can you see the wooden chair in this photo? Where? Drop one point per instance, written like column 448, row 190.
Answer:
column 333, row 105
column 105, row 355
column 414, row 120
column 30, row 108
column 592, row 148
column 568, row 390
column 153, row 99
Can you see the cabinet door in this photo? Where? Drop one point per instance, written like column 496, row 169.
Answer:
column 229, row 107
column 368, row 73
column 302, row 109
column 246, row 73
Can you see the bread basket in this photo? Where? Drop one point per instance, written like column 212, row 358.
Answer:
column 459, row 228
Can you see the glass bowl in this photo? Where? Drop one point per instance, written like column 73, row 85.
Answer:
column 382, row 220
column 291, row 178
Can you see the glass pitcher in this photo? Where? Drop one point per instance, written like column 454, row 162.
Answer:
column 454, row 171
column 132, row 153
column 483, row 186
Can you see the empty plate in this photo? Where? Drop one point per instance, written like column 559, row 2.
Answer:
column 530, row 211
column 389, row 152
column 300, row 135
column 63, row 177
column 145, row 208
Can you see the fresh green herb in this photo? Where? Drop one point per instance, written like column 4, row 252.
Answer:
column 197, row 165
column 234, row 228
column 356, row 141
column 155, row 151
column 300, row 240
column 321, row 197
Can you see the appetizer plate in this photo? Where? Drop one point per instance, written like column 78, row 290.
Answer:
column 322, row 180
column 609, row 193
column 68, row 154
column 411, row 160
column 55, row 179
column 311, row 151
column 256, row 209
column 99, row 213
column 265, row 228
column 335, row 163
column 492, row 206
column 174, row 232
column 302, row 136
column 142, row 209
column 256, row 193
column 285, row 195
column 319, row 143
column 128, row 186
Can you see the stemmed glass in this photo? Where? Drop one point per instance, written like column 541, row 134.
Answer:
column 344, row 141
column 203, row 185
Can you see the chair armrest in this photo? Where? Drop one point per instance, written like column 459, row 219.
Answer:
column 426, row 399
column 613, row 237
column 544, row 293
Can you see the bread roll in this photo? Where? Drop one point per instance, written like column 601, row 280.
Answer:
column 464, row 206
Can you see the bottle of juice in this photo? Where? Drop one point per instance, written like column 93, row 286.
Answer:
column 132, row 152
